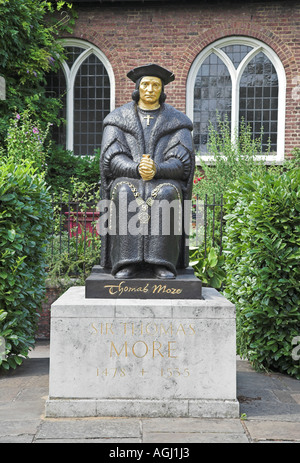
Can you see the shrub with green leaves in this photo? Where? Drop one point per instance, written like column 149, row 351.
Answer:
column 25, row 140
column 209, row 266
column 29, row 30
column 72, row 258
column 230, row 159
column 25, row 213
column 65, row 170
column 262, row 238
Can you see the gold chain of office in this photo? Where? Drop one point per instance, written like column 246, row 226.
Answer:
column 143, row 213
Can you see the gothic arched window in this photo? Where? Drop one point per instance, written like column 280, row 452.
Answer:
column 240, row 79
column 87, row 87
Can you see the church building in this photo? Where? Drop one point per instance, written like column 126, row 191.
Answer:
column 231, row 59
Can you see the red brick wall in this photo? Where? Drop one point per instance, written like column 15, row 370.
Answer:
column 174, row 34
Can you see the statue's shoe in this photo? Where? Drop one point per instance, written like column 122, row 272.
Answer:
column 163, row 273
column 130, row 271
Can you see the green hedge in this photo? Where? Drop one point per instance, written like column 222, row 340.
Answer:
column 25, row 214
column 263, row 274
column 65, row 170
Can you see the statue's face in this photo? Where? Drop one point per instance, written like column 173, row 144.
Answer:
column 150, row 90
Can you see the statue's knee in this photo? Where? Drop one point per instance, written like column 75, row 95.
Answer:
column 168, row 192
column 123, row 190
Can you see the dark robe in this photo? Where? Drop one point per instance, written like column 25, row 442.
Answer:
column 169, row 142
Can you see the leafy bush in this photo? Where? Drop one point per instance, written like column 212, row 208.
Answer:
column 25, row 141
column 294, row 162
column 208, row 266
column 70, row 258
column 29, row 49
column 74, row 245
column 25, row 213
column 65, row 173
column 64, row 170
column 230, row 159
column 262, row 238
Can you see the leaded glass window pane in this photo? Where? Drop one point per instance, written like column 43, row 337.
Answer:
column 212, row 99
column 91, row 105
column 259, row 100
column 72, row 54
column 236, row 53
column 56, row 88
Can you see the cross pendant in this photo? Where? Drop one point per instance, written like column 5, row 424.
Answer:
column 148, row 117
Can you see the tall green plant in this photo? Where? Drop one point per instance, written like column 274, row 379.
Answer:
column 29, row 30
column 262, row 244
column 25, row 141
column 69, row 173
column 230, row 159
column 70, row 258
column 208, row 266
column 25, row 213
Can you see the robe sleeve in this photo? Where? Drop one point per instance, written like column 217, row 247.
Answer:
column 176, row 165
column 122, row 166
column 116, row 161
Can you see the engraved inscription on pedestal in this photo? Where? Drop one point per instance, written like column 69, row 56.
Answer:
column 131, row 357
column 151, row 354
column 101, row 284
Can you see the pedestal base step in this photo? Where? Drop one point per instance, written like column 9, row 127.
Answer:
column 70, row 408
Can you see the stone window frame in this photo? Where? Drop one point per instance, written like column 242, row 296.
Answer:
column 236, row 74
column 70, row 76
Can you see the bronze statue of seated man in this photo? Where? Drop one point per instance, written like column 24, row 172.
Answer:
column 147, row 158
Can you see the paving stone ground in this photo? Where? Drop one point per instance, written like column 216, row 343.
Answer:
column 269, row 406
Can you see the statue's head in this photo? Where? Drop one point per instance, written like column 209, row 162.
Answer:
column 150, row 89
column 149, row 84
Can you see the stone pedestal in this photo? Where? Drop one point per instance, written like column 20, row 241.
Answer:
column 133, row 357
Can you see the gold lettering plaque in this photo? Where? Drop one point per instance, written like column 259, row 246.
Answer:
column 127, row 345
column 148, row 288
column 101, row 284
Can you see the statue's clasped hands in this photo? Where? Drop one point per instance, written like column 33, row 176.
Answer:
column 147, row 167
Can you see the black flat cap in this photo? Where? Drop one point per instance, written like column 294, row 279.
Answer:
column 151, row 70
